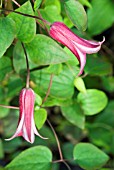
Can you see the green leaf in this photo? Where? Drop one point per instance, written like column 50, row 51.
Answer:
column 93, row 101
column 3, row 111
column 72, row 60
column 74, row 114
column 43, row 50
column 15, row 84
column 51, row 13
column 97, row 67
column 19, row 60
column 77, row 14
column 89, row 156
column 7, row 34
column 79, row 84
column 68, row 22
column 5, row 67
column 25, row 26
column 99, row 21
column 37, row 4
column 38, row 157
column 101, row 135
column 55, row 3
column 68, row 151
column 108, row 83
column 107, row 116
column 54, row 69
column 12, row 145
column 62, row 84
column 40, row 116
column 38, row 99
column 51, row 101
column 86, row 3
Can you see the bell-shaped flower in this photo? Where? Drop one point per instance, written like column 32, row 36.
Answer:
column 26, row 125
column 79, row 46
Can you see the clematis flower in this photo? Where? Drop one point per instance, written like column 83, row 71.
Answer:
column 26, row 125
column 78, row 46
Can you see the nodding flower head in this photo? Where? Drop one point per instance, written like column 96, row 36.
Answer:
column 26, row 125
column 79, row 46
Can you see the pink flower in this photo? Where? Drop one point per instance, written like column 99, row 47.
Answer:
column 26, row 125
column 79, row 46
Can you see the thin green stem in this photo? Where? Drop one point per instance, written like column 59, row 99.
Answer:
column 49, row 88
column 9, row 107
column 44, row 24
column 28, row 70
column 57, row 140
column 59, row 147
column 27, row 15
column 67, row 165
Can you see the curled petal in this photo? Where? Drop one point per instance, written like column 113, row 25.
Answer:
column 79, row 46
column 26, row 125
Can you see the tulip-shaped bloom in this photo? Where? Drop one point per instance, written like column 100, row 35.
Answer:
column 79, row 46
column 26, row 125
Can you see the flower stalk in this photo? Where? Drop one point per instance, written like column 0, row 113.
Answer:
column 27, row 15
column 28, row 69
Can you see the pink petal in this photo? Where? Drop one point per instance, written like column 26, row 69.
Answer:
column 82, row 57
column 26, row 125
column 28, row 110
column 35, row 130
column 90, row 47
column 79, row 46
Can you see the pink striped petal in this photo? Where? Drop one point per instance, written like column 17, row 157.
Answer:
column 26, row 125
column 79, row 46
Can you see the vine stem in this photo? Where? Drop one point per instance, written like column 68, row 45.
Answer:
column 58, row 143
column 59, row 147
column 9, row 107
column 15, row 2
column 49, row 88
column 27, row 15
column 28, row 70
column 44, row 24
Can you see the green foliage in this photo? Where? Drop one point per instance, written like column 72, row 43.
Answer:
column 97, row 67
column 101, row 135
column 51, row 13
column 37, row 4
column 93, row 101
column 25, row 26
column 99, row 21
column 42, row 50
column 3, row 112
column 77, row 14
column 40, row 117
column 38, row 157
column 5, row 67
column 7, row 26
column 80, row 109
column 62, row 85
column 92, row 157
column 79, row 84
column 74, row 114
column 86, row 3
column 107, row 116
